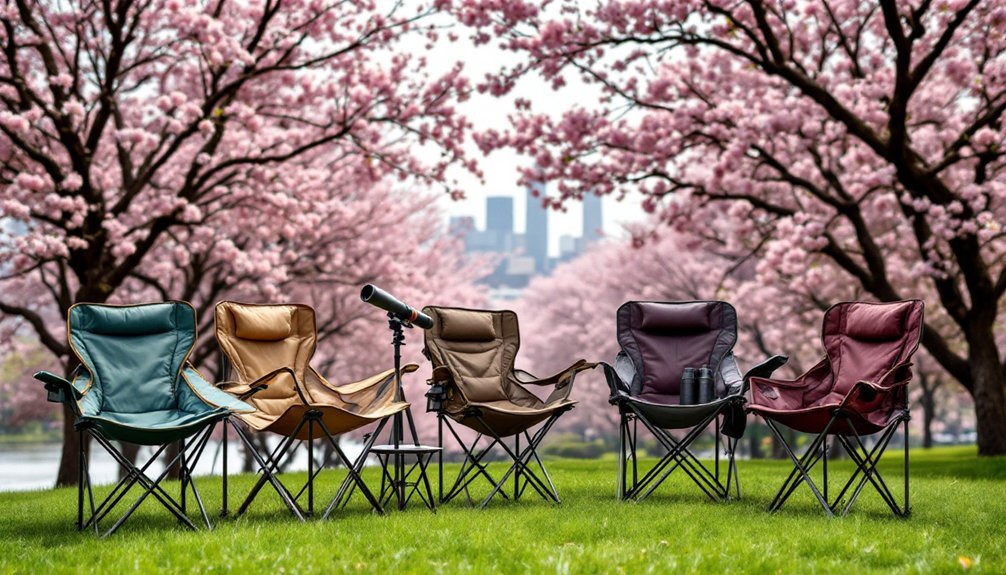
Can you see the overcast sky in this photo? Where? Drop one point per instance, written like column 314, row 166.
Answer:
column 501, row 167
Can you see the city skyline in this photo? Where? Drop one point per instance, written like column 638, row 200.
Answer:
column 525, row 255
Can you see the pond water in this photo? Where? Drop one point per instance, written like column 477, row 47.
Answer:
column 30, row 466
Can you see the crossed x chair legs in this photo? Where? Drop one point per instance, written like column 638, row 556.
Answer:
column 678, row 456
column 270, row 464
column 188, row 456
column 865, row 459
column 523, row 474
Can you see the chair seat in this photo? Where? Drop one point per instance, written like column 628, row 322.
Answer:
column 815, row 418
column 336, row 419
column 152, row 427
column 507, row 418
column 665, row 412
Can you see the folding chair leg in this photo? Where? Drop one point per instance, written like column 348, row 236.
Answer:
column 678, row 452
column 121, row 488
column 310, row 467
column 348, row 485
column 716, row 448
column 799, row 464
column 267, row 476
column 440, row 457
column 732, row 475
column 520, row 461
column 516, row 475
column 196, row 444
column 908, row 508
column 867, row 462
column 625, row 443
column 544, row 471
column 471, row 463
column 354, row 472
column 181, row 472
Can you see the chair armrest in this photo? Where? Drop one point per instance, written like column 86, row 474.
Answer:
column 245, row 390
column 766, row 368
column 212, row 395
column 376, row 379
column 869, row 391
column 767, row 391
column 798, row 383
column 59, row 389
column 559, row 380
column 617, row 386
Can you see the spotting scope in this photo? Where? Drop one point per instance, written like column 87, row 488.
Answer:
column 377, row 297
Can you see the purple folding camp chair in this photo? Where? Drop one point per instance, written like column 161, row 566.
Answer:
column 660, row 341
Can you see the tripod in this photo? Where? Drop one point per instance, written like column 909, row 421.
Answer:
column 395, row 473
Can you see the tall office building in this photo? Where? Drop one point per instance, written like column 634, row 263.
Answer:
column 593, row 218
column 536, row 235
column 499, row 221
column 499, row 213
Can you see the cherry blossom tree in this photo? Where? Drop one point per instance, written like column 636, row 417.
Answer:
column 863, row 136
column 130, row 130
column 571, row 314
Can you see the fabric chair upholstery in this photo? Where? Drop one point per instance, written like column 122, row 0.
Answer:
column 659, row 340
column 479, row 348
column 135, row 383
column 473, row 354
column 269, row 349
column 869, row 347
column 858, row 389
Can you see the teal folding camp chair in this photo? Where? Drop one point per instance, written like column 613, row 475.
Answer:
column 135, row 384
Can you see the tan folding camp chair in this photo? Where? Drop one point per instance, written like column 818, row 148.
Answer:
column 475, row 384
column 268, row 349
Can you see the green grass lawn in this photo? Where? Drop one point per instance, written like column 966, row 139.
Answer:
column 959, row 503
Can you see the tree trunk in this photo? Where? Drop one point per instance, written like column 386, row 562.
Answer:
column 69, row 465
column 175, row 472
column 927, row 401
column 754, row 437
column 989, row 394
column 130, row 451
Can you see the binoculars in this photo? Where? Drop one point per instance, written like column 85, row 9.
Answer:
column 697, row 386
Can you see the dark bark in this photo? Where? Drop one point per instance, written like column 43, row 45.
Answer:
column 68, row 461
column 927, row 401
column 130, row 451
column 989, row 395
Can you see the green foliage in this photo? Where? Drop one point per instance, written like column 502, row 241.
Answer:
column 959, row 518
column 573, row 446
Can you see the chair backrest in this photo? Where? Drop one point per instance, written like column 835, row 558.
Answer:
column 663, row 338
column 865, row 340
column 478, row 347
column 260, row 338
column 133, row 353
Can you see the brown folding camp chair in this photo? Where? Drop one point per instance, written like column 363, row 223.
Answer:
column 268, row 349
column 858, row 389
column 475, row 384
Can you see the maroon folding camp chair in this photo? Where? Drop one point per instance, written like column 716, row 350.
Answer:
column 858, row 389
